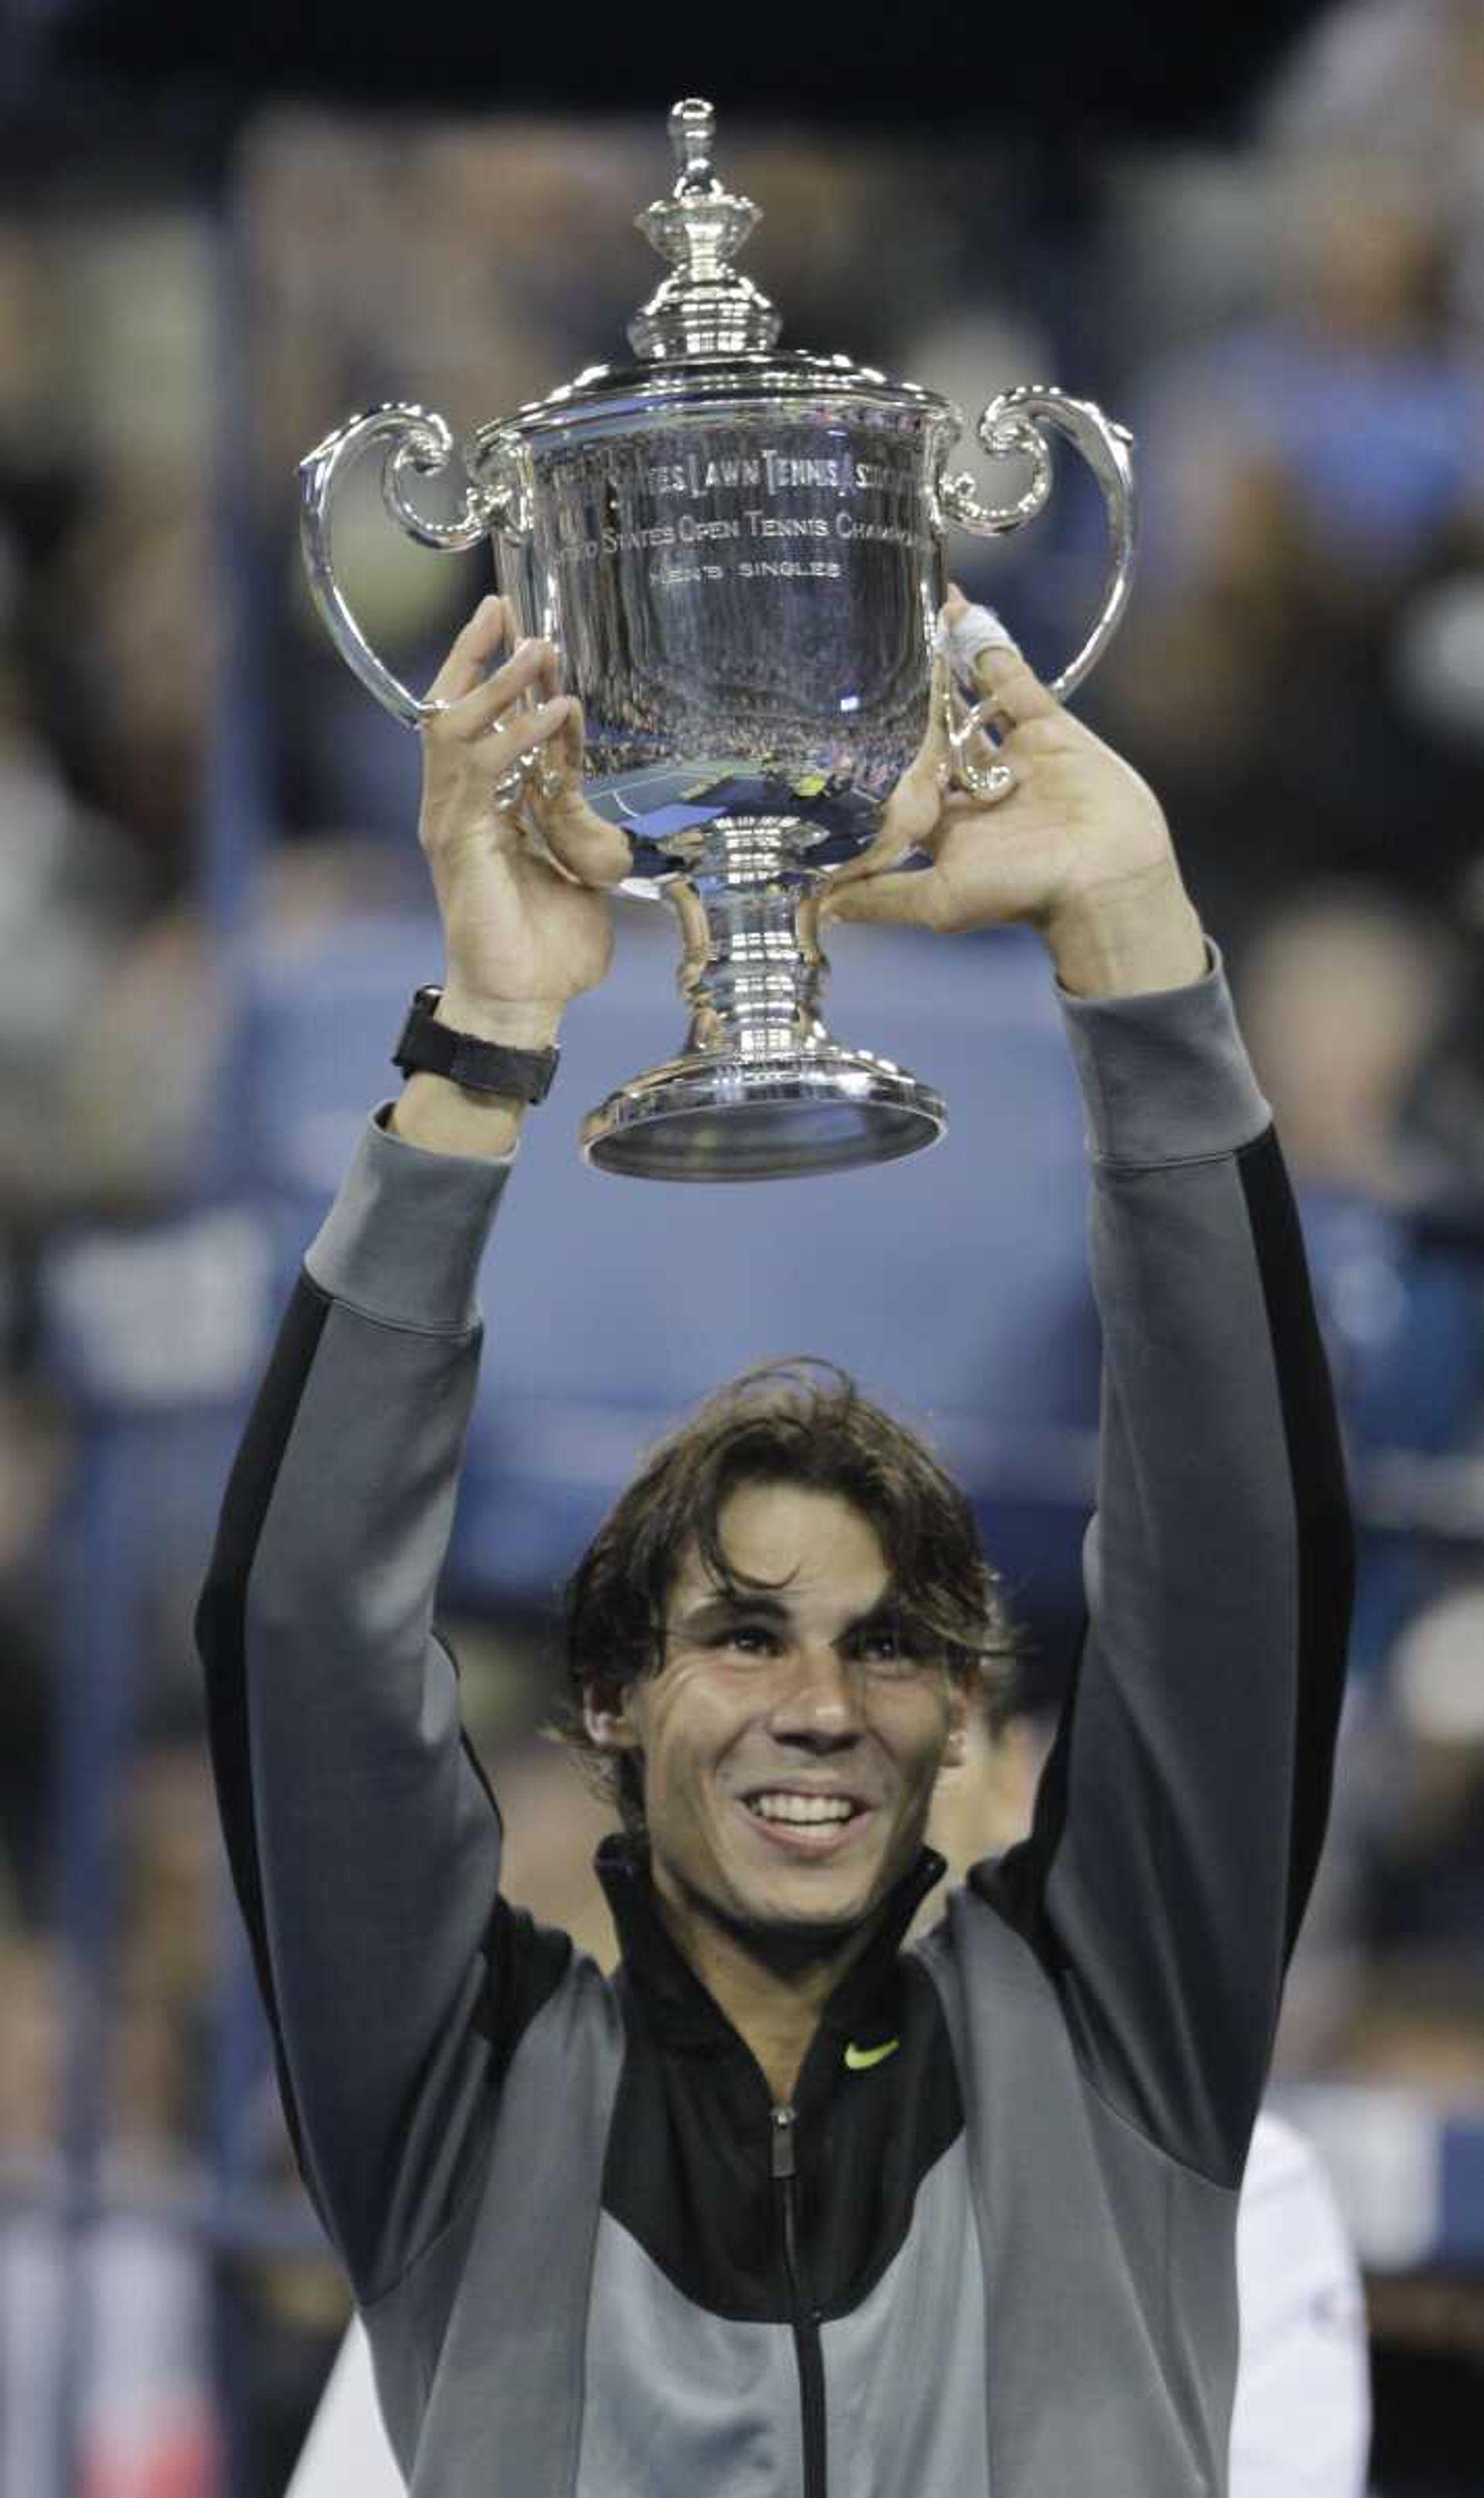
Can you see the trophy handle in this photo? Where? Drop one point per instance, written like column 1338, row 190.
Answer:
column 415, row 442
column 1012, row 428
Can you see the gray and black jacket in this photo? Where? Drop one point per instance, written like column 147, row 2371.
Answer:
column 595, row 2261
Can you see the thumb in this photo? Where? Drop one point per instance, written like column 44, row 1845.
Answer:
column 580, row 839
column 908, row 899
column 591, row 850
column 911, row 812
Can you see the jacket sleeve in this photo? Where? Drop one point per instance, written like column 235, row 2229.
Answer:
column 365, row 1845
column 1181, row 1811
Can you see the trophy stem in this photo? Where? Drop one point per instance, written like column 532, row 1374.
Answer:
column 761, row 1091
column 753, row 972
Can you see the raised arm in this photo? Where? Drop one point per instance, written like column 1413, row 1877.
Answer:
column 1180, row 1819
column 363, row 1843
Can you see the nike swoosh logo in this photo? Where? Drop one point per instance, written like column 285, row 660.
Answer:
column 859, row 2059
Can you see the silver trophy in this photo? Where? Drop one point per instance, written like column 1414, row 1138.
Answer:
column 738, row 554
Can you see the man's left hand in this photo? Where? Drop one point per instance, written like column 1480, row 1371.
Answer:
column 1079, row 848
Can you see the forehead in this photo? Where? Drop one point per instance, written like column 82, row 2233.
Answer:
column 817, row 1542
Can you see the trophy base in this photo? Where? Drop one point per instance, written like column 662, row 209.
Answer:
column 719, row 1116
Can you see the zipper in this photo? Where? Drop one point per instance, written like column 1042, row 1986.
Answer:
column 808, row 2347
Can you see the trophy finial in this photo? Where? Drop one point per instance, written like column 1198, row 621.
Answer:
column 704, row 308
column 693, row 137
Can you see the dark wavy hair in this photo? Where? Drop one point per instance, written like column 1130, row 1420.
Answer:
column 800, row 1422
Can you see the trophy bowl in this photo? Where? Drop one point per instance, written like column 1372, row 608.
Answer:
column 738, row 554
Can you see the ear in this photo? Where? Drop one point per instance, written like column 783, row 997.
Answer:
column 609, row 1719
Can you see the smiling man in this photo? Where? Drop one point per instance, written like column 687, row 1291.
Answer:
column 790, row 1791
column 824, row 1608
column 787, row 2208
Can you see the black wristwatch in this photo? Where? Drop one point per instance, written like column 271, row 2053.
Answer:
column 430, row 1049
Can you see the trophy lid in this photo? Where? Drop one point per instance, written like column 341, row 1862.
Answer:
column 704, row 307
column 707, row 336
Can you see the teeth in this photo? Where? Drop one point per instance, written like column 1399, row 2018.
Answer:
column 802, row 1809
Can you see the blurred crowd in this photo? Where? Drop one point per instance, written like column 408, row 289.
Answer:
column 200, row 810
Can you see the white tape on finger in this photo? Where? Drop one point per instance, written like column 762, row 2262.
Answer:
column 977, row 629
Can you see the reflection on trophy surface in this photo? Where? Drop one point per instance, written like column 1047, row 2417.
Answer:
column 739, row 554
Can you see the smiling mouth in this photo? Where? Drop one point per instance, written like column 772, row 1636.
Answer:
column 805, row 1825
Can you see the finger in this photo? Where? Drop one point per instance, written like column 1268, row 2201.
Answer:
column 1002, row 676
column 911, row 812
column 486, row 631
column 977, row 747
column 909, row 899
column 473, row 715
column 986, row 656
column 964, row 630
column 532, row 670
column 520, row 733
column 578, row 838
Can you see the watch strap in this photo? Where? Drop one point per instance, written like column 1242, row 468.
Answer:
column 428, row 1047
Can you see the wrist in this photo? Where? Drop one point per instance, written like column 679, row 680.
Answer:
column 444, row 1118
column 453, row 1108
column 1128, row 938
column 517, row 1023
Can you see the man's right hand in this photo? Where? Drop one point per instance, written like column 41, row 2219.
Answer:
column 521, row 882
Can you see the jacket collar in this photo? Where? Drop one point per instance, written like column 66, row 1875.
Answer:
column 674, row 1996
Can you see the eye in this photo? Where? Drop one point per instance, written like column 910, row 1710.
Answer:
column 751, row 1639
column 885, row 1649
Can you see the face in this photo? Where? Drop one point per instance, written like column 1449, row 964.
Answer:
column 790, row 1739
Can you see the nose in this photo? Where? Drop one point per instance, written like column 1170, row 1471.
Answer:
column 819, row 1706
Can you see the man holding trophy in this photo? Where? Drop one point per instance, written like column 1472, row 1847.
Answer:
column 784, row 2207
